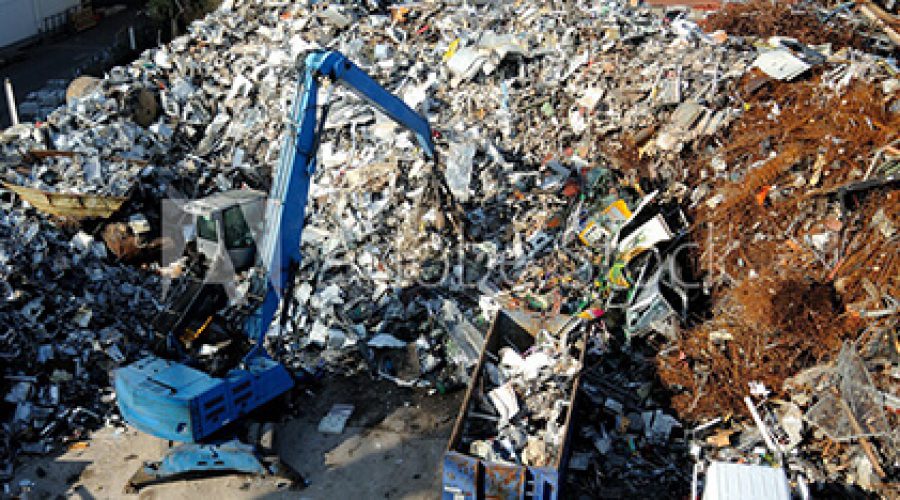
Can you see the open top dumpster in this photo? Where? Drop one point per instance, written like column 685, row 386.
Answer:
column 69, row 205
column 511, row 437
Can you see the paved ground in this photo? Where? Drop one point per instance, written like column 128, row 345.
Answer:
column 391, row 448
column 60, row 58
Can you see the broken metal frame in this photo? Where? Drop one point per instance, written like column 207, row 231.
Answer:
column 230, row 457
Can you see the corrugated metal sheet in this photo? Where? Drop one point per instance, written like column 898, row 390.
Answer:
column 726, row 481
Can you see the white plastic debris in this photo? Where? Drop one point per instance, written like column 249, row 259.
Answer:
column 504, row 400
column 336, row 419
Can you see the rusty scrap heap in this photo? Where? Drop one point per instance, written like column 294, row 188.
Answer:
column 795, row 212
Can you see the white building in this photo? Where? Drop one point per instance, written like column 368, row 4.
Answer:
column 21, row 19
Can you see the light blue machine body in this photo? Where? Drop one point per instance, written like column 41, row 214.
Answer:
column 176, row 402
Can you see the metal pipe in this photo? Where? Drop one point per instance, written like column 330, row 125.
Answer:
column 11, row 102
column 770, row 444
column 131, row 37
column 695, row 480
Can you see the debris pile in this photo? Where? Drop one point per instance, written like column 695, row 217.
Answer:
column 795, row 214
column 522, row 404
column 595, row 157
column 62, row 328
column 803, row 167
column 628, row 441
column 802, row 20
column 519, row 198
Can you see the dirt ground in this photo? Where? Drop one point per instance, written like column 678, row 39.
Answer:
column 391, row 448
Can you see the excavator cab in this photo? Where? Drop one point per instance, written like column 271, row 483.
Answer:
column 228, row 224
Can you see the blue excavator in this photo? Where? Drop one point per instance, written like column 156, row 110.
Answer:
column 174, row 397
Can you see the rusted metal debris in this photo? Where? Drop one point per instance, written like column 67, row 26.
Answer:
column 766, row 330
column 774, row 250
column 127, row 246
column 798, row 239
column 800, row 20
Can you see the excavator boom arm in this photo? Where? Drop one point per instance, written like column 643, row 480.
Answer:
column 286, row 208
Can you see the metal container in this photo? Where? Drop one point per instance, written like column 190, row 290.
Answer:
column 68, row 205
column 470, row 477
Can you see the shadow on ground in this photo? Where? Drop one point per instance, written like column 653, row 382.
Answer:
column 391, row 448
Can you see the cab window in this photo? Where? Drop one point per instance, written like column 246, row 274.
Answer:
column 237, row 233
column 206, row 228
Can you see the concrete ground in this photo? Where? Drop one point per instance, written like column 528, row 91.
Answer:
column 391, row 448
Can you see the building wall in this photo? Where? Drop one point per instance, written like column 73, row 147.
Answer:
column 20, row 19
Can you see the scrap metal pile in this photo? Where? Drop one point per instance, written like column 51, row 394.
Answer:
column 61, row 331
column 523, row 400
column 795, row 215
column 596, row 156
